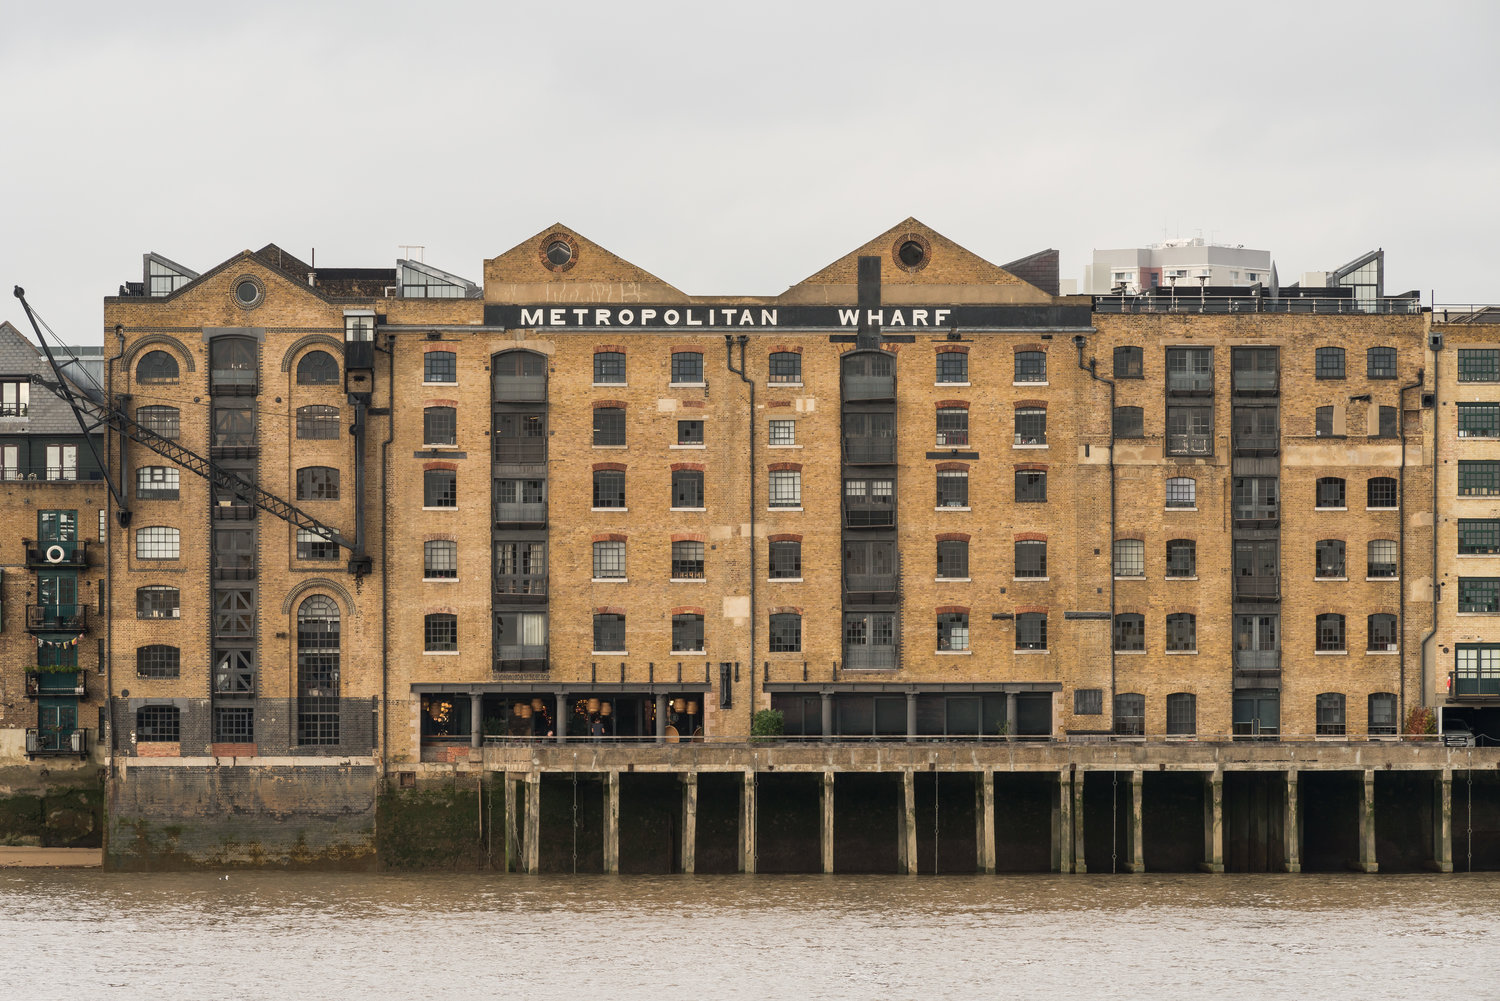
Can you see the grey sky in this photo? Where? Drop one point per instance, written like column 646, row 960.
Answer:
column 737, row 148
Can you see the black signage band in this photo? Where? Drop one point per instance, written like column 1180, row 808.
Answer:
column 736, row 317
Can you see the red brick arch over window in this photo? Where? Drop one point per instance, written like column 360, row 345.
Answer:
column 953, row 610
column 610, row 537
column 688, row 610
column 1031, row 537
column 612, row 404
column 688, row 537
column 1132, row 610
column 786, row 610
column 441, row 465
column 618, row 467
column 604, row 348
column 962, row 467
column 610, row 610
column 1031, row 467
column 1029, row 403
column 791, row 349
column 955, row 349
column 952, row 404
column 784, row 538
column 777, row 467
column 698, row 466
column 953, row 537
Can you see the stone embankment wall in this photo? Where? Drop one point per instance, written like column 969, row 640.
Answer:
column 57, row 806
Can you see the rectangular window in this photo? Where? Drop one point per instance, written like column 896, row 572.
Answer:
column 157, row 661
column 1477, row 669
column 15, row 397
column 687, row 488
column 1381, row 363
column 1190, row 430
column 440, row 560
column 157, row 602
column 1330, row 719
column 609, row 633
column 1130, row 558
column 1182, row 633
column 786, row 633
column 1088, row 701
column 1478, row 478
column 952, row 488
column 62, row 462
column 687, row 560
column 1479, row 364
column 1031, row 631
column 157, row 543
column 1479, row 420
column 953, row 366
column 1329, row 363
column 785, row 367
column 1031, row 366
column 1128, row 363
column 786, row 560
column 1129, row 422
column 156, row 483
column 318, row 423
column 1255, row 498
column 783, row 432
column 1031, row 486
column 1182, row 492
column 609, row 488
column 609, row 367
column 1323, row 422
column 1031, row 426
column 1182, row 558
column 952, row 427
column 785, row 488
column 1190, row 370
column 440, row 633
column 1479, row 594
column 1182, row 714
column 440, row 366
column 440, row 426
column 164, row 421
column 689, row 432
column 687, row 633
column 609, row 426
column 687, row 368
column 1130, row 714
column 317, row 483
column 953, row 559
column 1130, row 631
column 233, row 426
column 609, row 560
column 1031, row 559
column 1255, row 369
column 1330, row 558
column 1479, row 536
column 1330, row 492
column 953, row 631
column 440, row 488
column 312, row 546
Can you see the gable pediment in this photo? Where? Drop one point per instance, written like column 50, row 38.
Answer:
column 559, row 265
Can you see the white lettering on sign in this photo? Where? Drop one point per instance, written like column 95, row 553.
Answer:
column 531, row 317
column 601, row 317
column 692, row 322
column 940, row 316
column 647, row 315
column 767, row 317
column 897, row 320
column 919, row 317
column 627, row 316
column 557, row 317
column 848, row 317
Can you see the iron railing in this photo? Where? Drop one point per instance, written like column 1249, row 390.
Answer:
column 1470, row 313
column 520, row 450
column 869, row 387
column 40, row 554
column 523, row 513
column 521, row 388
column 1190, row 444
column 521, row 657
column 46, row 682
column 63, row 740
column 516, row 583
column 1253, row 380
column 1185, row 302
column 62, row 618
column 870, row 450
column 869, row 582
column 870, row 658
column 1257, row 660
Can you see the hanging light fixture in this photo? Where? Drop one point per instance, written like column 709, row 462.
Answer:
column 692, row 708
column 605, row 709
column 593, row 706
column 679, row 704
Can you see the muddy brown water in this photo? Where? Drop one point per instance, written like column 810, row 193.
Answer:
column 296, row 936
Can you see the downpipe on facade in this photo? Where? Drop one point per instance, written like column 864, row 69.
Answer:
column 1092, row 369
column 385, row 545
column 1401, row 550
column 729, row 362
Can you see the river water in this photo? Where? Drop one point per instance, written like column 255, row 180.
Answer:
column 327, row 936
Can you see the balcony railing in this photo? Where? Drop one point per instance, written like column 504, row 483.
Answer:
column 46, row 682
column 870, row 658
column 232, row 381
column 869, row 517
column 864, row 583
column 1259, row 515
column 1257, row 588
column 520, row 450
column 521, row 657
column 55, row 554
column 48, row 474
column 1257, row 443
column 1257, row 660
column 13, row 409
column 869, row 387
column 1255, row 381
column 870, row 450
column 1186, row 302
column 1471, row 313
column 1190, row 444
column 520, row 388
column 521, row 513
column 66, row 740
column 59, row 618
column 1190, row 382
column 1482, row 687
column 533, row 584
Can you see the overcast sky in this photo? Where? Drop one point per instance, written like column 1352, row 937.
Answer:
column 737, row 148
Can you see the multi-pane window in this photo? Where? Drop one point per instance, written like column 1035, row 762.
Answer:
column 785, row 367
column 312, row 546
column 1329, row 363
column 439, row 488
column 953, row 559
column 317, row 368
column 1330, row 492
column 953, row 488
column 1382, row 714
column 1182, row 492
column 1476, row 669
column 1130, row 714
column 1479, row 364
column 158, row 661
column 609, row 632
column 953, row 366
column 164, row 421
column 317, row 483
column 609, row 367
column 1330, row 719
column 157, row 542
column 1382, row 558
column 233, row 725
column 786, row 632
column 687, row 633
column 234, row 426
column 439, row 426
column 1330, row 558
column 1128, row 363
column 783, row 432
column 158, row 725
column 687, row 560
column 1130, row 631
column 1130, row 558
column 1479, row 420
column 1380, row 363
column 1182, row 714
column 1190, row 370
column 318, row 423
column 1031, row 558
column 440, row 632
column 156, row 483
column 1386, row 426
column 1031, row 486
column 687, row 368
column 609, row 488
column 1031, row 426
column 1088, row 701
column 1381, row 632
column 1479, row 594
column 1182, row 558
column 1031, row 366
column 318, row 634
column 786, row 560
column 687, row 488
column 609, row 560
column 1182, row 632
column 1324, row 422
column 952, row 426
column 1031, row 631
column 440, row 559
column 690, row 432
column 156, row 366
column 1330, row 631
column 1129, row 422
column 1478, row 478
column 1380, row 492
column 953, row 631
column 15, row 397
column 1479, row 536
column 157, row 602
column 1190, row 430
column 609, row 426
column 785, row 488
column 440, row 366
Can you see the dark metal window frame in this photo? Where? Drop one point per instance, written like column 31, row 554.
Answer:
column 1330, row 633
column 687, row 368
column 952, row 427
column 1129, row 422
column 1381, row 632
column 317, row 368
column 1381, row 493
column 1031, row 425
column 1129, row 558
column 1479, row 420
column 440, row 488
column 785, row 560
column 158, row 724
column 784, row 367
column 1031, row 486
column 1130, row 714
column 786, row 632
column 1479, row 536
column 688, row 489
column 1182, row 492
column 440, row 367
column 1380, row 362
column 1479, row 364
column 609, row 559
column 1330, row 556
column 440, row 425
column 953, row 559
column 1328, row 363
column 318, row 422
column 609, row 368
column 439, row 559
column 952, row 367
column 1182, row 632
column 1088, row 701
column 1178, row 564
column 158, row 483
column 952, row 488
column 1382, row 559
column 158, row 660
column 687, row 633
column 1478, row 478
column 1130, row 631
column 164, row 367
column 440, row 632
column 1031, row 366
column 1479, row 594
column 1330, row 493
column 609, row 425
column 953, row 631
column 1031, row 632
column 317, row 483
column 1031, row 558
column 609, row 632
column 1182, row 714
column 688, row 560
column 158, row 601
column 1330, row 714
column 690, row 432
column 1129, row 362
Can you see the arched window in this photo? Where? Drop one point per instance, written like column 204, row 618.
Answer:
column 156, row 366
column 317, row 368
column 1130, row 558
column 687, row 368
column 1182, row 632
column 158, row 725
column 1329, row 363
column 157, row 601
column 1380, row 492
column 317, row 671
column 786, row 632
column 158, row 661
column 1383, row 561
column 1130, row 631
column 1331, row 714
column 1330, row 631
column 1182, row 492
column 1330, row 492
column 1382, row 718
column 157, row 542
column 1130, row 713
column 1382, row 633
column 1330, row 558
column 1182, row 558
column 440, row 633
column 440, row 426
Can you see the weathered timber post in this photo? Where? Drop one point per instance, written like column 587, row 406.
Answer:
column 984, row 813
column 612, row 822
column 1079, row 865
column 1213, row 822
column 1442, row 822
column 907, row 825
column 512, row 843
column 689, row 822
column 827, row 824
column 1292, row 824
column 531, row 845
column 747, row 823
column 476, row 724
column 1367, row 861
column 1137, row 822
column 1062, row 824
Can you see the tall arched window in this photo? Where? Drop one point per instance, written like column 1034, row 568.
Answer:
column 317, row 368
column 156, row 366
column 317, row 671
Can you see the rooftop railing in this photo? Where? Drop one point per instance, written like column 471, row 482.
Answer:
column 1315, row 305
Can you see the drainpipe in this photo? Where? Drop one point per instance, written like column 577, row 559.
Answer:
column 1401, row 555
column 1434, row 345
column 754, row 611
column 385, row 539
column 109, row 552
column 1092, row 369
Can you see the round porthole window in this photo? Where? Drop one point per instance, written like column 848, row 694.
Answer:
column 911, row 252
column 559, row 252
column 248, row 292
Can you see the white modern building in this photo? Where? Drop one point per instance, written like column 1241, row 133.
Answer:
column 1187, row 262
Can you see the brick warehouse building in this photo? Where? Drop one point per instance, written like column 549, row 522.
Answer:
column 916, row 493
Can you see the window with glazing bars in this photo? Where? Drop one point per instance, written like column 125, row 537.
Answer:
column 687, row 488
column 15, row 397
column 687, row 633
column 783, row 432
column 689, row 432
column 165, row 421
column 312, row 546
column 158, row 725
column 1182, row 491
column 1031, row 426
column 157, row 483
column 1479, row 536
column 1382, row 718
column 1478, row 478
column 318, row 423
column 439, row 488
column 1330, row 492
column 1381, row 632
column 1330, row 558
column 786, row 560
column 1130, row 631
column 953, row 559
column 1130, row 558
column 1382, row 558
column 1182, row 714
column 1380, row 363
column 785, row 488
column 1031, row 366
column 1387, row 426
column 157, row 601
column 1129, row 422
column 786, row 632
column 609, row 560
column 1182, row 558
column 439, row 426
column 1088, row 701
column 952, row 427
column 785, row 367
column 609, row 367
column 1479, row 420
column 157, row 542
column 687, row 560
column 952, row 488
column 609, row 632
column 156, row 366
column 1380, row 492
column 440, row 559
column 1031, row 486
column 1479, row 364
column 1128, row 363
column 952, row 366
column 1130, row 714
column 609, row 488
column 1190, row 369
column 1329, row 363
column 440, row 366
column 234, row 725
column 609, row 426
column 1031, row 558
column 1182, row 632
column 687, row 368
column 1323, row 422
column 1479, row 594
column 158, row 661
column 440, row 632
column 317, row 483
column 317, row 368
column 953, row 631
column 1330, row 631
column 1330, row 714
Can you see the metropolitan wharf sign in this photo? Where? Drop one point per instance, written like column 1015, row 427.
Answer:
column 733, row 316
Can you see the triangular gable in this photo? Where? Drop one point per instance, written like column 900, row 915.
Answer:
column 943, row 262
column 525, row 273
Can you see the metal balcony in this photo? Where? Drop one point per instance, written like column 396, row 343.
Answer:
column 1257, row 588
column 42, row 740
column 1190, row 444
column 1190, row 382
column 521, row 514
column 870, row 658
column 511, row 584
column 57, row 618
column 1257, row 444
column 869, row 387
column 1482, row 687
column 521, row 450
column 1257, row 660
column 55, row 555
column 44, row 682
column 521, row 657
column 870, row 583
column 1256, row 381
column 883, row 516
column 870, row 451
column 520, row 389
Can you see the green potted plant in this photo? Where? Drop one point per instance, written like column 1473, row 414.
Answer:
column 767, row 725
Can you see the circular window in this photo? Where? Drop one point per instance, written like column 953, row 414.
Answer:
column 559, row 252
column 911, row 254
column 248, row 292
